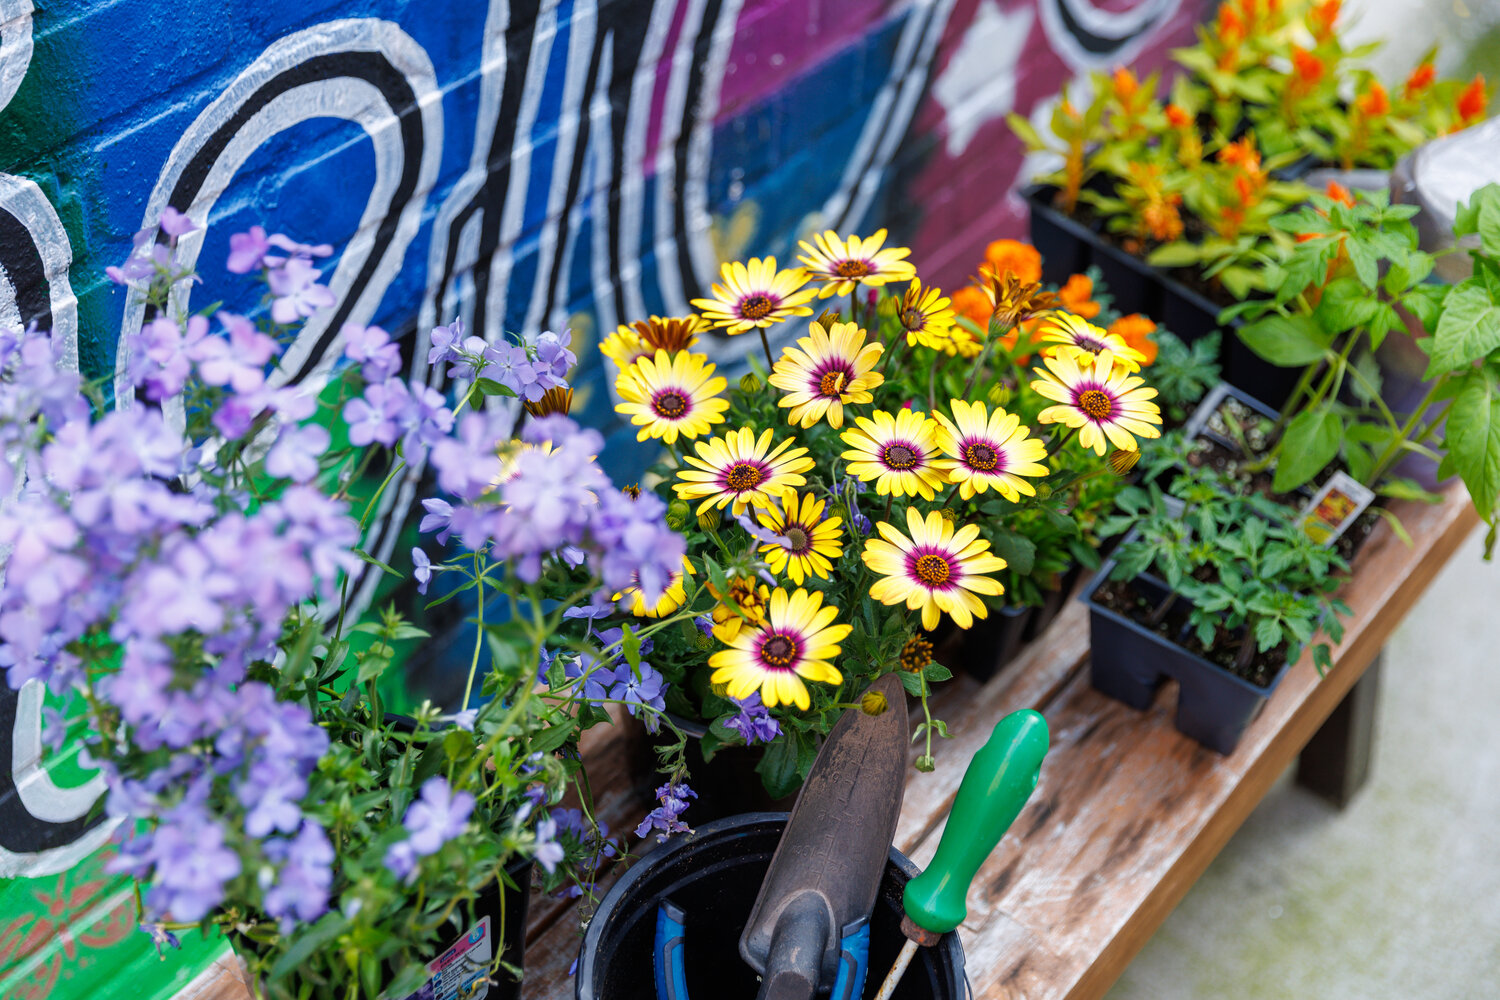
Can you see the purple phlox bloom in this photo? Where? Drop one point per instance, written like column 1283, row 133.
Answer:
column 295, row 454
column 754, row 723
column 512, row 367
column 247, row 251
column 298, row 892
column 158, row 362
column 548, row 852
column 439, row 513
column 54, row 728
column 401, row 859
column 463, row 720
column 377, row 416
column 147, row 259
column 645, row 688
column 600, row 605
column 297, row 292
column 468, row 462
column 446, row 342
column 437, row 816
column 371, row 348
column 705, row 624
column 296, row 402
column 291, row 246
column 673, row 797
column 761, row 533
column 237, row 361
column 422, row 573
column 553, row 358
column 427, row 420
column 635, row 545
column 175, row 223
column 188, row 861
column 160, row 936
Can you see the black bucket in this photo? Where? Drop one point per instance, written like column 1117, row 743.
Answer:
column 714, row 876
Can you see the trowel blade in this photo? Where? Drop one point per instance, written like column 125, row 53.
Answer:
column 839, row 835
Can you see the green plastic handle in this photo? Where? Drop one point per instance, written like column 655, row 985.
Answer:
column 996, row 786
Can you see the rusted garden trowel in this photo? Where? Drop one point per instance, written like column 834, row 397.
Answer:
column 811, row 922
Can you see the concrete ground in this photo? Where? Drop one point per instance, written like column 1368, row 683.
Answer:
column 1396, row 897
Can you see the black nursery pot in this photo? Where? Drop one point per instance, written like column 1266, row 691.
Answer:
column 1052, row 603
column 714, row 876
column 726, row 785
column 1064, row 243
column 982, row 649
column 1129, row 662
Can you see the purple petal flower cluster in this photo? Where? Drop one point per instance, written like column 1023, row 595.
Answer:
column 754, row 722
column 151, row 262
column 371, row 348
column 298, row 889
column 413, row 413
column 666, row 817
column 438, row 815
column 297, row 293
column 594, row 845
column 164, row 355
column 548, row 852
column 190, row 860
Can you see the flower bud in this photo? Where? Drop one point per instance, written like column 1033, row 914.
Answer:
column 999, row 394
column 926, row 764
column 679, row 514
column 709, row 520
column 1121, row 462
column 749, row 384
column 873, row 703
column 950, row 515
column 830, row 317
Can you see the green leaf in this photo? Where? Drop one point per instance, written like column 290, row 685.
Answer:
column 1311, row 441
column 1178, row 254
column 375, row 562
column 1468, row 330
column 1287, row 341
column 1267, row 634
column 911, row 682
column 1345, row 304
column 778, row 767
column 553, row 737
column 490, row 387
column 1018, row 551
column 1473, row 440
column 630, row 645
column 373, row 662
column 936, row 673
column 305, row 942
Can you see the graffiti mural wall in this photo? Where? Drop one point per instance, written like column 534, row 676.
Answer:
column 521, row 164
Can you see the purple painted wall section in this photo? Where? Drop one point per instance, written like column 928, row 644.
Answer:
column 519, row 163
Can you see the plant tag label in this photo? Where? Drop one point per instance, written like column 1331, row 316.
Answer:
column 1333, row 508
column 462, row 972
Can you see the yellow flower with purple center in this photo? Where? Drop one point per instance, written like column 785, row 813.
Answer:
column 1064, row 333
column 927, row 316
column 812, row 540
column 844, row 265
column 740, row 469
column 898, row 452
column 756, row 295
column 672, row 395
column 987, row 450
column 671, row 599
column 826, row 371
column 1107, row 404
column 793, row 645
column 933, row 569
column 746, row 593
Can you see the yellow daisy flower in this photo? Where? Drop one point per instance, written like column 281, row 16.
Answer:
column 1065, row 333
column 936, row 569
column 671, row 598
column 812, row 541
column 672, row 394
column 844, row 265
column 987, row 450
column 927, row 317
column 670, row 334
column 795, row 643
column 756, row 295
column 1104, row 401
column 741, row 469
column 750, row 596
column 625, row 347
column 832, row 368
column 897, row 452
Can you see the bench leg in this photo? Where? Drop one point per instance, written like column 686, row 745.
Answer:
column 1336, row 761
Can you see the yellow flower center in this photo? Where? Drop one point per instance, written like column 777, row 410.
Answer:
column 670, row 404
column 778, row 651
column 900, row 457
column 1095, row 403
column 743, row 476
column 933, row 570
column 981, row 457
column 851, row 269
column 797, row 539
column 756, row 306
column 832, row 383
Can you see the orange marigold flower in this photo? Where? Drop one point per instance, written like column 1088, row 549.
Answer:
column 1076, row 296
column 1136, row 331
column 1125, row 84
column 1473, row 100
column 1004, row 257
column 1163, row 221
column 1421, row 78
column 1177, row 117
column 972, row 304
column 1242, row 154
column 1374, row 101
column 1320, row 19
column 1337, row 192
column 1307, row 67
column 1231, row 28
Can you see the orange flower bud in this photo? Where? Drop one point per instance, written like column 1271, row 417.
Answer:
column 1473, row 100
column 1337, row 192
column 1307, row 67
column 1177, row 117
column 1320, row 19
column 1125, row 84
column 1421, row 78
column 1374, row 101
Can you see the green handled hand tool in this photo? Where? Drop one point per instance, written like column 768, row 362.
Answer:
column 996, row 786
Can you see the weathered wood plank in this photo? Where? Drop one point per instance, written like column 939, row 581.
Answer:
column 1127, row 816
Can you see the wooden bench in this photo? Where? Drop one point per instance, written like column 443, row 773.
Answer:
column 1128, row 813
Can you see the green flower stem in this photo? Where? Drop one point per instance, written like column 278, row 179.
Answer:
column 1388, row 457
column 765, row 344
column 926, row 716
column 478, row 635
